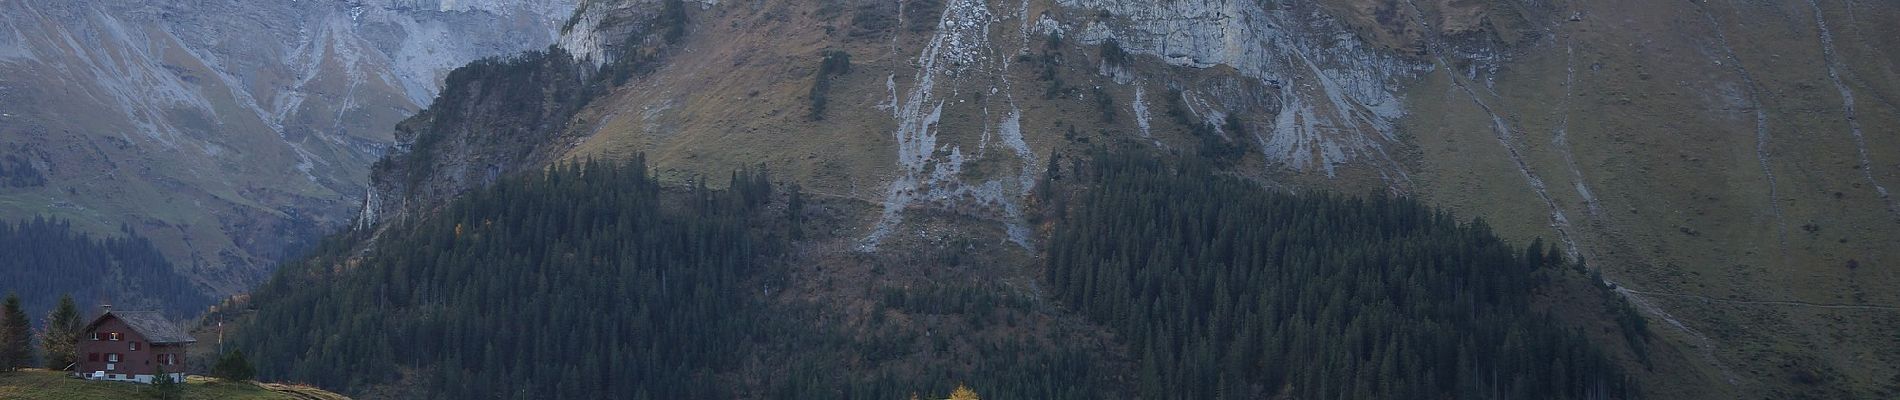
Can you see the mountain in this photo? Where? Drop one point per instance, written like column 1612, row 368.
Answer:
column 1717, row 162
column 230, row 133
column 1716, row 167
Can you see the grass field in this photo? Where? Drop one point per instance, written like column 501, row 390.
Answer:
column 51, row 385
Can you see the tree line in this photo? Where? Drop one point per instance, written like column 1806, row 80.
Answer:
column 593, row 279
column 46, row 258
column 1225, row 290
column 580, row 282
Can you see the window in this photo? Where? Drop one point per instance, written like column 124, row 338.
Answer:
column 114, row 336
column 95, row 335
column 168, row 359
column 135, row 346
column 112, row 357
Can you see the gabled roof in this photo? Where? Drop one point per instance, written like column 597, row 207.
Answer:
column 150, row 324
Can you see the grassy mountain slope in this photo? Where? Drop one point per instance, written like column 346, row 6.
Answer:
column 1700, row 155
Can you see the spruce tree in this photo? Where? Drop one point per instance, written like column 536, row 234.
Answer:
column 16, row 342
column 60, row 340
column 164, row 387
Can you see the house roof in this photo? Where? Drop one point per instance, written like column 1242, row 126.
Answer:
column 151, row 324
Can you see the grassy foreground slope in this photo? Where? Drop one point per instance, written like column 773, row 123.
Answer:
column 51, row 385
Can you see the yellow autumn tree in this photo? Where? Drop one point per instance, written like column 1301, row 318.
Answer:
column 963, row 393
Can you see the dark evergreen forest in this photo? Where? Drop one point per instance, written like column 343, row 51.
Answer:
column 43, row 259
column 575, row 283
column 594, row 280
column 1225, row 290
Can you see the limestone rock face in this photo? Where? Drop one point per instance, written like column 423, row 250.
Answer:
column 1337, row 97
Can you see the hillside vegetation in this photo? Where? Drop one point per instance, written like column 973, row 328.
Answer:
column 573, row 284
column 1225, row 290
column 127, row 271
column 589, row 281
column 593, row 279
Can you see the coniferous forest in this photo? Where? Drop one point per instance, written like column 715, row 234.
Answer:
column 1225, row 290
column 594, row 280
column 126, row 270
column 575, row 283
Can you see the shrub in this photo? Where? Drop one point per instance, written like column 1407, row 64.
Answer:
column 1113, row 54
column 835, row 63
column 232, row 367
column 1105, row 103
column 164, row 387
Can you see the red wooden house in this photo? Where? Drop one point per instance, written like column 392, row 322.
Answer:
column 132, row 346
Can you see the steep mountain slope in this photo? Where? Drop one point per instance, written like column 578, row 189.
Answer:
column 232, row 133
column 1719, row 162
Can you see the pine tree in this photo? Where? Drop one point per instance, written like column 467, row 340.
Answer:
column 16, row 342
column 164, row 387
column 60, row 340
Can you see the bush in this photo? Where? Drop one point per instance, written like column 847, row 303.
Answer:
column 1113, row 54
column 835, row 63
column 164, row 387
column 233, row 367
column 16, row 171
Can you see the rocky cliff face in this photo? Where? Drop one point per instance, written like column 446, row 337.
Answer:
column 509, row 114
column 1333, row 100
column 231, row 132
